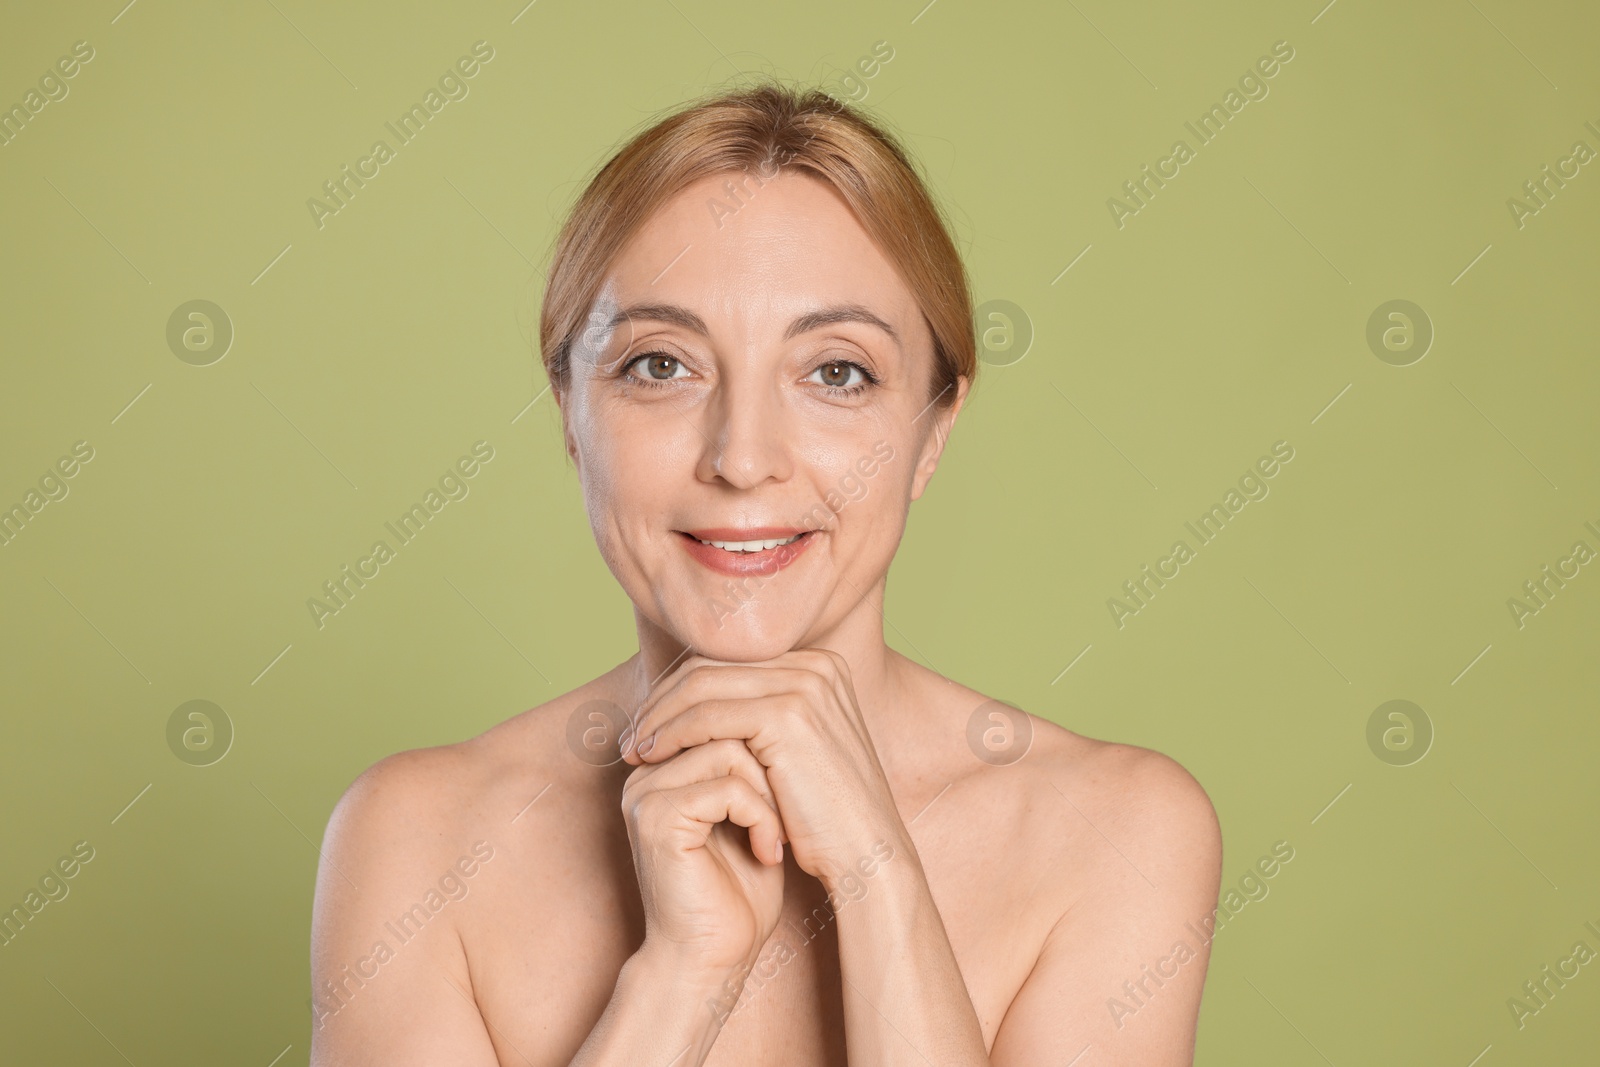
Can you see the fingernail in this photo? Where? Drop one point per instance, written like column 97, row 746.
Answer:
column 624, row 740
column 647, row 744
column 780, row 851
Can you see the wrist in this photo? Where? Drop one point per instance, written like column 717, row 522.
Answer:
column 672, row 972
column 887, row 859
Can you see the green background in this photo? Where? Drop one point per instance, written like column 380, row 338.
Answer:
column 1231, row 312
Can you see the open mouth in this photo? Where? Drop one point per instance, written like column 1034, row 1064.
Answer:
column 746, row 552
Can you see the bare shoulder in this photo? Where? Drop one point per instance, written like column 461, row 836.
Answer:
column 1143, row 801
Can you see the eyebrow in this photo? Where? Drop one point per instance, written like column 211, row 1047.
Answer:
column 682, row 316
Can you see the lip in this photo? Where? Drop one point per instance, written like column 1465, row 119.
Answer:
column 741, row 564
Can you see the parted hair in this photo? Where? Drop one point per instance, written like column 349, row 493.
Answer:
column 759, row 131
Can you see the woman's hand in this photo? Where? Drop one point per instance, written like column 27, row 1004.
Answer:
column 709, row 903
column 797, row 714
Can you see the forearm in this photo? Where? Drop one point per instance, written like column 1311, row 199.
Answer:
column 659, row 1014
column 904, row 998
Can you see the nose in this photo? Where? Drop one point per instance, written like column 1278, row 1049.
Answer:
column 746, row 434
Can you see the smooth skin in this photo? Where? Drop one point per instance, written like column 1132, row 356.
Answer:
column 929, row 907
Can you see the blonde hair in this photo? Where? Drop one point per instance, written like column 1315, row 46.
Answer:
column 764, row 128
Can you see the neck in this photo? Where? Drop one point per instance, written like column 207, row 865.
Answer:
column 879, row 675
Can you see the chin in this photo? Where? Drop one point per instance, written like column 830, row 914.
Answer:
column 743, row 637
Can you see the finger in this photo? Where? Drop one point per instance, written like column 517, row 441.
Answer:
column 700, row 806
column 715, row 759
column 717, row 681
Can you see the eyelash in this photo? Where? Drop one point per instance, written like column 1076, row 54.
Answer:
column 869, row 379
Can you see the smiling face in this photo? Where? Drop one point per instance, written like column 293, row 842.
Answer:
column 768, row 378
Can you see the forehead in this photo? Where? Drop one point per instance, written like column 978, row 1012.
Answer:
column 761, row 251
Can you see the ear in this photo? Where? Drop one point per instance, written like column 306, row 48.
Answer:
column 568, row 441
column 933, row 446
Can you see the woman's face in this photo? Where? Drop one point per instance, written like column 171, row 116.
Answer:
column 767, row 378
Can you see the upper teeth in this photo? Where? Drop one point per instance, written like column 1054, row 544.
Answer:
column 749, row 546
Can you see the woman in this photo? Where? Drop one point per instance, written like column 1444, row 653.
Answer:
column 807, row 849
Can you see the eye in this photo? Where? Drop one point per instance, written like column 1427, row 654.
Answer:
column 659, row 368
column 837, row 375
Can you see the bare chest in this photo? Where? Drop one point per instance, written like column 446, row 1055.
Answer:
column 545, row 958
